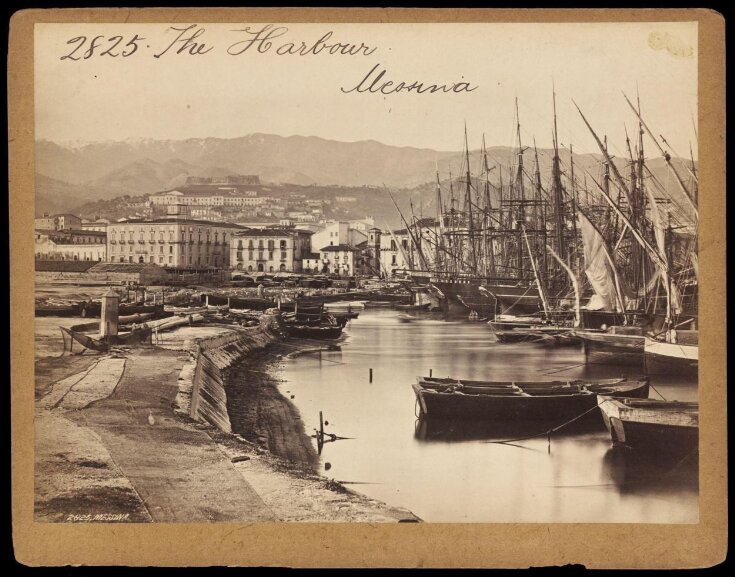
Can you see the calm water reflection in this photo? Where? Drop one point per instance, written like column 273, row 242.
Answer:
column 447, row 471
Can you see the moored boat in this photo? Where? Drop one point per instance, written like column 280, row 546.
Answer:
column 617, row 345
column 680, row 357
column 314, row 331
column 652, row 425
column 525, row 400
column 543, row 335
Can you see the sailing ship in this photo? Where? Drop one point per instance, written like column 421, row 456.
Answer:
column 609, row 259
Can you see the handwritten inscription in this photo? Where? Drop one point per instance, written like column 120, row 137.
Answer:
column 101, row 46
column 266, row 39
column 373, row 82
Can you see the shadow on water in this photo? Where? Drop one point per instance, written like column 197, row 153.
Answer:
column 648, row 472
column 432, row 429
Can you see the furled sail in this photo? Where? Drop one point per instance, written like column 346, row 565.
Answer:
column 599, row 269
column 659, row 233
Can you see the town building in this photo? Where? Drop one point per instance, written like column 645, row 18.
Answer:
column 144, row 274
column 270, row 249
column 230, row 180
column 398, row 252
column 336, row 232
column 99, row 225
column 341, row 259
column 66, row 244
column 174, row 241
column 311, row 263
column 58, row 222
column 232, row 199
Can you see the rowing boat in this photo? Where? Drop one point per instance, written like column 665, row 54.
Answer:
column 670, row 427
column 535, row 400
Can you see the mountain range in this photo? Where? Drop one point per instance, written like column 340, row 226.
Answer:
column 69, row 175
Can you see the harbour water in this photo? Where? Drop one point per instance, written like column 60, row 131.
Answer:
column 449, row 472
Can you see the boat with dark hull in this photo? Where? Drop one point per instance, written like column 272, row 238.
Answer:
column 536, row 400
column 663, row 357
column 620, row 345
column 650, row 425
column 314, row 331
column 541, row 335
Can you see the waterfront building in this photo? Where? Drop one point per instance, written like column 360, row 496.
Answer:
column 311, row 262
column 270, row 249
column 174, row 241
column 341, row 259
column 66, row 244
column 398, row 251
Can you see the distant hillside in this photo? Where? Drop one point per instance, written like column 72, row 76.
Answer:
column 70, row 176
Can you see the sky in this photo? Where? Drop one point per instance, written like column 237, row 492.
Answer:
column 225, row 94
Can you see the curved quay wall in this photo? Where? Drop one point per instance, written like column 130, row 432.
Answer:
column 214, row 359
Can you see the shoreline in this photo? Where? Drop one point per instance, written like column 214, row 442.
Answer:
column 115, row 442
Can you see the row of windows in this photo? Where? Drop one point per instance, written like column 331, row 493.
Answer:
column 171, row 234
column 271, row 244
column 261, row 254
column 261, row 268
column 161, row 260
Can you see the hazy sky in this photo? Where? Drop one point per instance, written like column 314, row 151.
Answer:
column 216, row 94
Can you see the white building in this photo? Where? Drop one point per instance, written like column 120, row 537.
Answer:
column 174, row 241
column 269, row 250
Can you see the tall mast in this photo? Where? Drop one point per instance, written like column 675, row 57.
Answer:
column 488, row 247
column 558, row 193
column 574, row 206
column 618, row 178
column 667, row 158
column 468, row 201
column 440, row 220
column 520, row 209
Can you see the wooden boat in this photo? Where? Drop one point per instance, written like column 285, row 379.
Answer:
column 412, row 307
column 314, row 331
column 254, row 303
column 542, row 335
column 652, row 425
column 673, row 358
column 134, row 337
column 616, row 345
column 534, row 400
column 344, row 306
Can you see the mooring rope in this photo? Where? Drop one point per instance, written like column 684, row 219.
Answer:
column 552, row 430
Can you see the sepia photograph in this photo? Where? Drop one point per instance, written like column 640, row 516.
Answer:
column 370, row 273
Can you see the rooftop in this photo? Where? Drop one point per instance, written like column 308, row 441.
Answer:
column 271, row 232
column 128, row 267
column 64, row 265
column 340, row 248
column 176, row 220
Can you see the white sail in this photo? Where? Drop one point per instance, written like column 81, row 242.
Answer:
column 599, row 269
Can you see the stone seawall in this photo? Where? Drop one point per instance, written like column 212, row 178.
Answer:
column 214, row 359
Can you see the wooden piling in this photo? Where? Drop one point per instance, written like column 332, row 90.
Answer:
column 371, row 375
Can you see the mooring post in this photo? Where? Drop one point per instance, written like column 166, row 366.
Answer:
column 109, row 314
column 431, row 371
column 371, row 375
